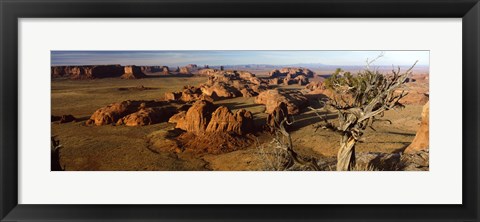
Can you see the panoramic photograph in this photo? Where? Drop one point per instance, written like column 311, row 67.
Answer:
column 239, row 110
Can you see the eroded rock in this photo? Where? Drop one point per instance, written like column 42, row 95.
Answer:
column 272, row 98
column 275, row 118
column 133, row 72
column 147, row 116
column 196, row 119
column 240, row 122
column 132, row 113
column 421, row 140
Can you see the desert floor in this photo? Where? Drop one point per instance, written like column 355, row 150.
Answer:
column 127, row 148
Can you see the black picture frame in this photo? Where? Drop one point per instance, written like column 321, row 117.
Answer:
column 11, row 10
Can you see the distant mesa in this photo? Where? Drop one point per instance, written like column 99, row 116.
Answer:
column 115, row 71
column 151, row 69
column 290, row 75
column 87, row 72
column 188, row 69
column 165, row 70
column 293, row 72
column 133, row 72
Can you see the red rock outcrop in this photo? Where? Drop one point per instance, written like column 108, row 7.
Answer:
column 179, row 119
column 113, row 112
column 288, row 80
column 273, row 81
column 151, row 69
column 421, row 140
column 165, row 70
column 173, row 96
column 314, row 85
column 133, row 72
column 147, row 116
column 258, row 88
column 272, row 98
column 204, row 117
column 247, row 92
column 275, row 118
column 293, row 72
column 240, row 122
column 145, row 112
column 190, row 94
column 246, row 75
column 213, row 130
column 196, row 119
column 220, row 89
column 232, row 83
column 188, row 69
column 207, row 71
column 301, row 80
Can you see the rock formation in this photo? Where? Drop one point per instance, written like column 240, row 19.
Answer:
column 220, row 89
column 132, row 113
column 272, row 99
column 196, row 119
column 190, row 94
column 213, row 130
column 133, row 72
column 188, row 69
column 293, row 72
column 240, row 122
column 147, row 116
column 301, row 80
column 151, row 69
column 87, row 72
column 173, row 96
column 207, row 71
column 421, row 140
column 290, row 76
column 273, row 81
column 165, row 70
column 112, row 113
column 232, row 83
column 279, row 114
column 314, row 85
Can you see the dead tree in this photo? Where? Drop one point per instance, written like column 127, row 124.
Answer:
column 285, row 157
column 359, row 101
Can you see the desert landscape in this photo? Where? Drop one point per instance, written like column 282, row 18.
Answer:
column 234, row 117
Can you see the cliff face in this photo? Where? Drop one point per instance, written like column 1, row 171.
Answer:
column 133, row 72
column 87, row 72
column 151, row 69
column 105, row 71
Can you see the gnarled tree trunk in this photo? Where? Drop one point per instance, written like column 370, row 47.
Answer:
column 346, row 154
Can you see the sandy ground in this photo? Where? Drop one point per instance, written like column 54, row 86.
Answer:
column 127, row 148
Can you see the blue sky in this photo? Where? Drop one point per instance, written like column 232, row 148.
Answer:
column 236, row 57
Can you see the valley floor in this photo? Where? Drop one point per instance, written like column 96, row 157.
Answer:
column 127, row 148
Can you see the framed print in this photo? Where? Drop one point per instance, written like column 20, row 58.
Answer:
column 270, row 110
